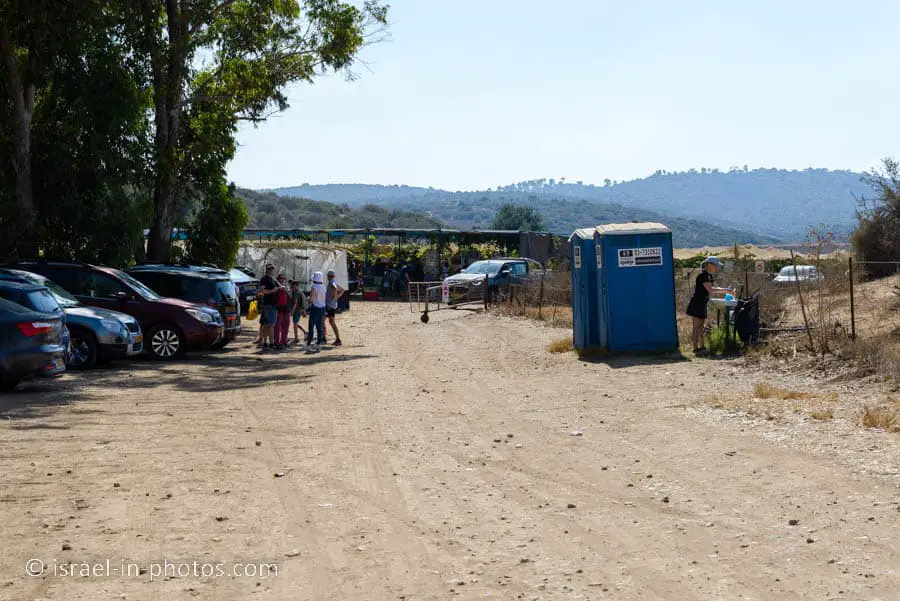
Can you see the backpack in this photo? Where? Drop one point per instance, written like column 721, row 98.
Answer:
column 281, row 298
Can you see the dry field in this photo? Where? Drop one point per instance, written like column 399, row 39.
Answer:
column 455, row 460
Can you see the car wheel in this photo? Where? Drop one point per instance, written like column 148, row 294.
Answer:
column 8, row 384
column 166, row 342
column 82, row 352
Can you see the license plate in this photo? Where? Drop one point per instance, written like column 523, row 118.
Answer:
column 59, row 363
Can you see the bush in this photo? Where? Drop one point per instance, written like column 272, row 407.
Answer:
column 877, row 237
column 215, row 234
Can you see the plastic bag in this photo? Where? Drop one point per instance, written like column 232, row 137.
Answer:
column 252, row 311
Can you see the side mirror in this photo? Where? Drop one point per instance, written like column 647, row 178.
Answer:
column 122, row 297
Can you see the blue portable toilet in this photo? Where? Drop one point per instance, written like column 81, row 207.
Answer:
column 585, row 324
column 635, row 287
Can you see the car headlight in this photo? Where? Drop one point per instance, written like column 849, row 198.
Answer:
column 201, row 316
column 112, row 325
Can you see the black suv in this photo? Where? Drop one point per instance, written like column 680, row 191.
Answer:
column 211, row 287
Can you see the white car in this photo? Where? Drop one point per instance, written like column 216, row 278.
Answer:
column 804, row 273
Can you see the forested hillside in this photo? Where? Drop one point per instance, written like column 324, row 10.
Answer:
column 774, row 204
column 267, row 209
column 469, row 211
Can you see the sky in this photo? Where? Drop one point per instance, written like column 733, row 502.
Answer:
column 469, row 94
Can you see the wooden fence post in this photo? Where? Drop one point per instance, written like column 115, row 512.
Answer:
column 852, row 304
column 541, row 298
column 812, row 345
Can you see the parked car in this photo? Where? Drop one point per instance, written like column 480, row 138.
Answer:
column 247, row 285
column 171, row 326
column 211, row 287
column 38, row 299
column 499, row 273
column 805, row 274
column 97, row 335
column 31, row 344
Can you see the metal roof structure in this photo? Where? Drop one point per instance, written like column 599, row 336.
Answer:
column 405, row 232
column 626, row 229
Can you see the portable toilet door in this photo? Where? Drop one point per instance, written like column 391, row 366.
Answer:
column 637, row 288
column 584, row 289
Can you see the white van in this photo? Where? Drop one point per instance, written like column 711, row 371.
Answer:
column 804, row 273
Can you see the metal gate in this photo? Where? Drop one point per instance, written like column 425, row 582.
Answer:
column 428, row 297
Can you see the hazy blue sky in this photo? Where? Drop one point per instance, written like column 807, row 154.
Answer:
column 471, row 94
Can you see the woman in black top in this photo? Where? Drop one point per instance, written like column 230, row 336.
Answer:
column 703, row 289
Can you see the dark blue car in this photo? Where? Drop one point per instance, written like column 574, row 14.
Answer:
column 37, row 298
column 31, row 344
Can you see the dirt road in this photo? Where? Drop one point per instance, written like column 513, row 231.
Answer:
column 454, row 460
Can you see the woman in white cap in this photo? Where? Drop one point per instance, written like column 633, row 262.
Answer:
column 317, row 294
column 703, row 289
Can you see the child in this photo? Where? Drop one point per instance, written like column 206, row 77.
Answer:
column 299, row 304
column 283, row 308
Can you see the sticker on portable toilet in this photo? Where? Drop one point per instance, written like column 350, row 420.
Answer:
column 640, row 257
column 599, row 251
column 577, row 257
column 445, row 293
column 760, row 267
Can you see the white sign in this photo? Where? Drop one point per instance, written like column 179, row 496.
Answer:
column 599, row 250
column 640, row 257
column 445, row 293
column 577, row 257
column 760, row 267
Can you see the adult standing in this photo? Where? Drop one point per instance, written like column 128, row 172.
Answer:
column 317, row 294
column 333, row 292
column 697, row 307
column 268, row 287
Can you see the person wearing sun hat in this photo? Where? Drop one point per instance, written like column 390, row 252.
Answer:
column 317, row 294
column 697, row 307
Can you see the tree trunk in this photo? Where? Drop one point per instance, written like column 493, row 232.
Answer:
column 168, row 74
column 21, row 95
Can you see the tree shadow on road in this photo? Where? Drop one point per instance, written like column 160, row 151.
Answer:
column 136, row 379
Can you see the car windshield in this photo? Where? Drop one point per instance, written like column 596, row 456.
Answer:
column 239, row 276
column 482, row 267
column 138, row 286
column 61, row 295
column 43, row 301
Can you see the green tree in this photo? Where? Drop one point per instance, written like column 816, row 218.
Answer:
column 237, row 57
column 215, row 234
column 72, row 119
column 877, row 236
column 518, row 217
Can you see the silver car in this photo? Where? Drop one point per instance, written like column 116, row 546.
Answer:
column 97, row 335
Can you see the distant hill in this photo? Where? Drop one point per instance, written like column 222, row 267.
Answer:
column 267, row 209
column 461, row 210
column 760, row 205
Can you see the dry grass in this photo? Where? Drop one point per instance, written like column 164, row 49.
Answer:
column 881, row 354
column 764, row 390
column 823, row 415
column 886, row 417
column 563, row 345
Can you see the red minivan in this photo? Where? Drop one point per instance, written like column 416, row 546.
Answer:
column 170, row 325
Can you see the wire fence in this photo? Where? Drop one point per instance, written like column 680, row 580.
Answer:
column 840, row 301
column 546, row 297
